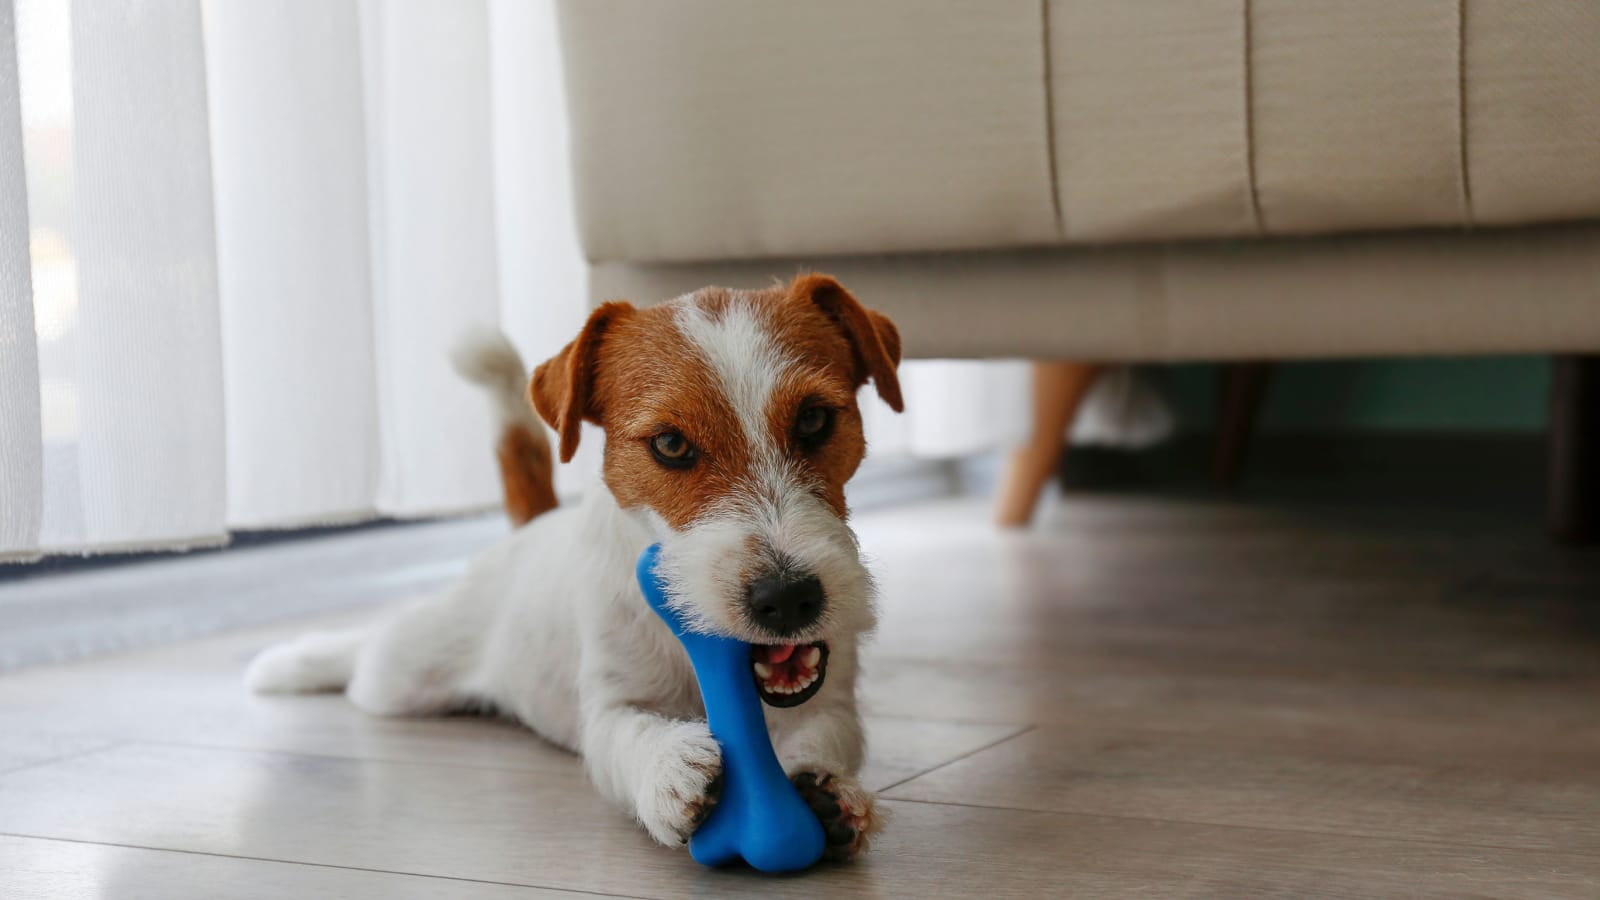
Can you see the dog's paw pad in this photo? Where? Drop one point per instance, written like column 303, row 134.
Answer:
column 848, row 812
column 683, row 787
column 700, row 809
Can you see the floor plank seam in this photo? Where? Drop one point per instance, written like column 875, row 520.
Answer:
column 1305, row 745
column 970, row 753
column 320, row 865
column 280, row 751
column 1575, row 855
column 942, row 720
column 111, row 744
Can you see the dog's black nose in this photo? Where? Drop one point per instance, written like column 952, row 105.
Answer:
column 784, row 604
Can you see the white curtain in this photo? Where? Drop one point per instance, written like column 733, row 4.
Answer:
column 21, row 462
column 235, row 244
column 237, row 238
column 290, row 175
column 118, row 199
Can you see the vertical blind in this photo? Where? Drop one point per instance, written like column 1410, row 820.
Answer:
column 250, row 232
column 21, row 461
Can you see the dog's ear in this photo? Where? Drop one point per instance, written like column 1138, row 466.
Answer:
column 562, row 389
column 874, row 341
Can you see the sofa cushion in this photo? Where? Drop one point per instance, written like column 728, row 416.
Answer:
column 1148, row 101
column 1533, row 110
column 706, row 129
column 1355, row 115
column 709, row 130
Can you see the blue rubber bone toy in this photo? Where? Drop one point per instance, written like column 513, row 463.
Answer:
column 761, row 818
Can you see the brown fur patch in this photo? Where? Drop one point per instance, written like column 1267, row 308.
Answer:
column 636, row 375
column 652, row 379
column 526, row 474
column 562, row 389
column 874, row 340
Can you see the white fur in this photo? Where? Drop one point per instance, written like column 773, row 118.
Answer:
column 484, row 356
column 776, row 506
column 548, row 626
column 742, row 355
column 319, row 661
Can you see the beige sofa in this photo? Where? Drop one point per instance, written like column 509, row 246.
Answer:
column 1085, row 179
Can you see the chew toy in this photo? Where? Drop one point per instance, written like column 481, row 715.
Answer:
column 761, row 818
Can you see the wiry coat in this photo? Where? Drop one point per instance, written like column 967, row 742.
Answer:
column 549, row 627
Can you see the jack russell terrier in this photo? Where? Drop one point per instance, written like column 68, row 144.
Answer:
column 731, row 428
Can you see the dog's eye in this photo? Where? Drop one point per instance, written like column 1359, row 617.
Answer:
column 813, row 425
column 673, row 450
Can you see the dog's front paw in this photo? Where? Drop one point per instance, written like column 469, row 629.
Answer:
column 683, row 784
column 847, row 810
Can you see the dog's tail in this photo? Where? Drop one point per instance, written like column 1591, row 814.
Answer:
column 484, row 356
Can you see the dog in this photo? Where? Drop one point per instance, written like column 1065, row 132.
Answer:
column 731, row 426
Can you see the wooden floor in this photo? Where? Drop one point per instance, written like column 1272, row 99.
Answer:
column 1157, row 696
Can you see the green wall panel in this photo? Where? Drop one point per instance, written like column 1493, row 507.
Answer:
column 1467, row 394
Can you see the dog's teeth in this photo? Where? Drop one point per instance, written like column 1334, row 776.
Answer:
column 812, row 657
column 763, row 671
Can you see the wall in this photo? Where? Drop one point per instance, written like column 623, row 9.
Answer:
column 1482, row 394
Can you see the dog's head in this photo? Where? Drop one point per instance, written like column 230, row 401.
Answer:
column 731, row 423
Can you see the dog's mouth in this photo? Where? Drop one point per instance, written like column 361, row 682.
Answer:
column 788, row 674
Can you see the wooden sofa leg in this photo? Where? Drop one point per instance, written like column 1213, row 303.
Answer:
column 1058, row 391
column 1575, row 449
column 1240, row 389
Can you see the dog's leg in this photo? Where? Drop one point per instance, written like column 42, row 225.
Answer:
column 411, row 665
column 319, row 661
column 415, row 663
column 664, row 772
column 821, row 746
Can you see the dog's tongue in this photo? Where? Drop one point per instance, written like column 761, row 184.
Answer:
column 777, row 653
